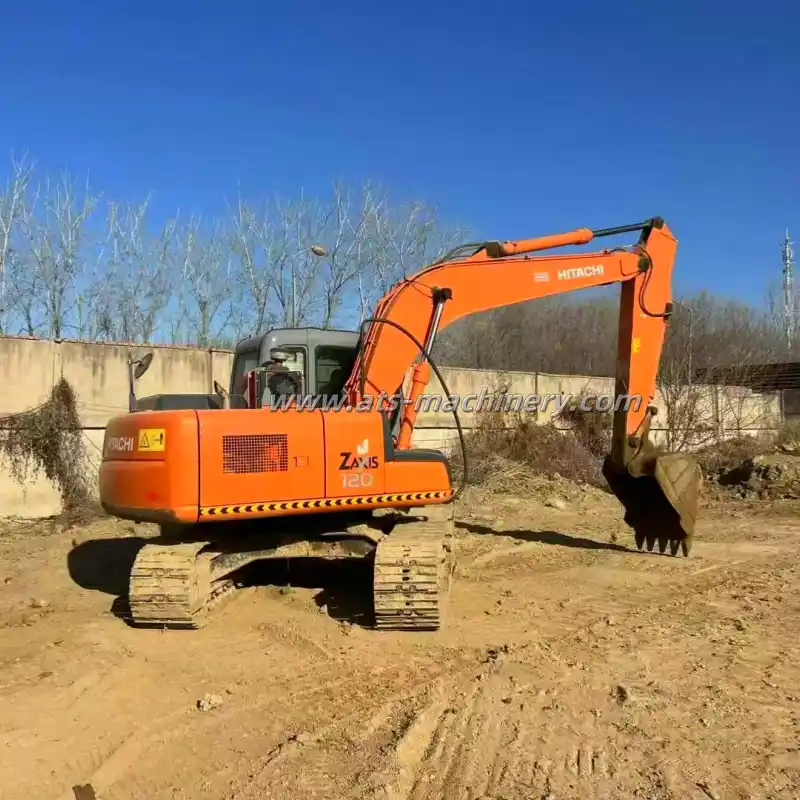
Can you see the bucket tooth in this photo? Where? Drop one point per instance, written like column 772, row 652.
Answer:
column 660, row 494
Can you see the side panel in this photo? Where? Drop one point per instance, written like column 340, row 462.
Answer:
column 354, row 451
column 149, row 470
column 417, row 476
column 257, row 456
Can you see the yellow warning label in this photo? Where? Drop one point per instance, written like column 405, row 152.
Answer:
column 637, row 344
column 152, row 440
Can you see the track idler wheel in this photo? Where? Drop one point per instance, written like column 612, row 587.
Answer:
column 660, row 494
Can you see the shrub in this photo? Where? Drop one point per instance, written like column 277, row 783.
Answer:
column 50, row 440
column 591, row 427
column 500, row 437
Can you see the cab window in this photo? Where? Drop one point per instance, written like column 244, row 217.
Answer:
column 333, row 368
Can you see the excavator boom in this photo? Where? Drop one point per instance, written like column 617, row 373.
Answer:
column 660, row 492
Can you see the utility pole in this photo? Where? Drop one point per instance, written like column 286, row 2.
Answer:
column 788, row 291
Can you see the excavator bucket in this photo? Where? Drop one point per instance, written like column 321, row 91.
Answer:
column 660, row 493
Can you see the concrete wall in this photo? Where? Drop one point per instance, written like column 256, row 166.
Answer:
column 686, row 418
column 98, row 373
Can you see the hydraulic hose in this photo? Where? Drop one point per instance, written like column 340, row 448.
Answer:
column 427, row 355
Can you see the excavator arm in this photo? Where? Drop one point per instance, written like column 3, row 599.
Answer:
column 660, row 492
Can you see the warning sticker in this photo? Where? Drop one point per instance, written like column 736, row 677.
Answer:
column 152, row 440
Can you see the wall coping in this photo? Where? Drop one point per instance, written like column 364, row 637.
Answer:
column 13, row 337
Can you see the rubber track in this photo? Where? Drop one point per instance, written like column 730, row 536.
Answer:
column 170, row 586
column 412, row 572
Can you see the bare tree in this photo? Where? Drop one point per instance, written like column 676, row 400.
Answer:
column 203, row 281
column 207, row 282
column 689, row 414
column 12, row 204
column 54, row 227
column 129, row 286
column 569, row 335
column 256, row 243
column 276, row 268
column 351, row 250
column 296, row 270
column 776, row 304
column 575, row 335
column 402, row 239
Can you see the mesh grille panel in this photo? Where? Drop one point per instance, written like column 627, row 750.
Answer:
column 255, row 452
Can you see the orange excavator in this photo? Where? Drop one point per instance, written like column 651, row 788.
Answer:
column 272, row 469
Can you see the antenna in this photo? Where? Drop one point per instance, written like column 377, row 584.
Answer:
column 788, row 291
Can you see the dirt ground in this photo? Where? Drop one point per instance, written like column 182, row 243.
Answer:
column 571, row 667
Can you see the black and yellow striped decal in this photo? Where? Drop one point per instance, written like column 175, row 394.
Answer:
column 260, row 509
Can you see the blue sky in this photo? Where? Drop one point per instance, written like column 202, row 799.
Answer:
column 514, row 118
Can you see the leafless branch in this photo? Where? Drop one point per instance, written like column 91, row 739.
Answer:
column 53, row 225
column 207, row 282
column 12, row 205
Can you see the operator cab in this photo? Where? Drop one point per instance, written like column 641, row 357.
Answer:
column 305, row 361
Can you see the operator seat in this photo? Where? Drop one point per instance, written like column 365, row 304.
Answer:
column 334, row 384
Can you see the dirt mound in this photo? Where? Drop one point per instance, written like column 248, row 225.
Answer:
column 750, row 467
column 771, row 476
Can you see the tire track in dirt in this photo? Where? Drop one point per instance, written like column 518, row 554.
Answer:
column 476, row 738
column 638, row 602
column 466, row 736
column 107, row 760
column 364, row 717
column 292, row 703
column 109, row 768
column 573, row 768
column 448, row 747
column 439, row 736
column 462, row 754
column 378, row 711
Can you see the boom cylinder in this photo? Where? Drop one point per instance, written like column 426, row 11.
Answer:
column 422, row 370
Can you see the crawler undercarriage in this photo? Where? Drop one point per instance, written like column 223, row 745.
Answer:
column 176, row 580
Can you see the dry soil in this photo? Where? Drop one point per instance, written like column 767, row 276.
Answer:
column 571, row 667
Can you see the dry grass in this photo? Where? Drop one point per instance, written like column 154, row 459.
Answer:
column 508, row 448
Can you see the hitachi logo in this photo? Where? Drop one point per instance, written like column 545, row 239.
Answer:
column 120, row 444
column 580, row 272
